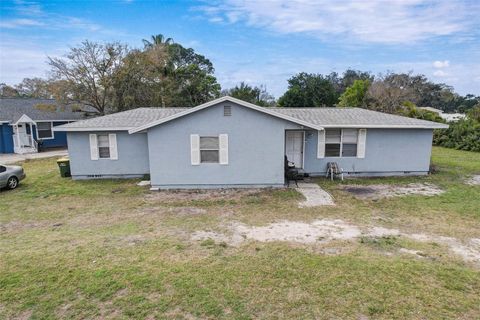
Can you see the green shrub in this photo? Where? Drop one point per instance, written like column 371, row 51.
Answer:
column 461, row 135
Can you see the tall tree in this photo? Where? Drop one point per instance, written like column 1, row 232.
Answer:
column 354, row 95
column 474, row 113
column 341, row 83
column 88, row 72
column 157, row 40
column 387, row 97
column 7, row 91
column 191, row 77
column 350, row 76
column 34, row 88
column 309, row 90
column 142, row 80
column 463, row 103
column 165, row 75
column 255, row 95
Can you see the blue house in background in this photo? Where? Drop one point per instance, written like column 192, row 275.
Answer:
column 26, row 125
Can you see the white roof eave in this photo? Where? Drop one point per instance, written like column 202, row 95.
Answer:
column 84, row 129
column 384, row 126
column 24, row 119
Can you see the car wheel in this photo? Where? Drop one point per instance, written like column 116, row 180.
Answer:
column 12, row 182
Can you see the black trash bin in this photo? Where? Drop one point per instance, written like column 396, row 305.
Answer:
column 64, row 166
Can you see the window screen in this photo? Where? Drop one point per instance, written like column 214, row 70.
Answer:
column 349, row 142
column 44, row 130
column 103, row 146
column 333, row 139
column 209, row 150
column 341, row 142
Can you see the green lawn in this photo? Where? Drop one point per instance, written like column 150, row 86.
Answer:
column 109, row 249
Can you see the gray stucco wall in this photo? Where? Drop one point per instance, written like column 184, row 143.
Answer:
column 388, row 152
column 132, row 156
column 256, row 152
column 256, row 149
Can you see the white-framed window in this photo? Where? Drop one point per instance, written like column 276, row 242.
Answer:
column 44, row 130
column 103, row 146
column 341, row 142
column 209, row 149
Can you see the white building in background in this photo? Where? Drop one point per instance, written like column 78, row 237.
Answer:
column 446, row 116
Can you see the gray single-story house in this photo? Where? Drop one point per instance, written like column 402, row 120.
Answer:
column 26, row 124
column 231, row 143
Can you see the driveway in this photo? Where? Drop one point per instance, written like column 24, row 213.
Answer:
column 14, row 158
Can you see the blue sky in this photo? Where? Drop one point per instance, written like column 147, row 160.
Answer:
column 259, row 42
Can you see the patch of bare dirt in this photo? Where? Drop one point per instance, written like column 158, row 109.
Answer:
column 207, row 194
column 416, row 253
column 379, row 191
column 178, row 313
column 325, row 230
column 13, row 226
column 24, row 315
column 474, row 180
column 234, row 239
column 187, row 211
column 133, row 240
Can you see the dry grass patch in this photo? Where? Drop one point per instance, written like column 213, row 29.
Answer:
column 99, row 249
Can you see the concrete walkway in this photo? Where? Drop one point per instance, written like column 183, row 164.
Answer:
column 14, row 158
column 315, row 196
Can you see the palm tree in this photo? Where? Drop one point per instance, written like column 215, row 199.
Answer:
column 157, row 40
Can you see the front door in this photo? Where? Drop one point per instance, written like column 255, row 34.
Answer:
column 294, row 147
column 23, row 135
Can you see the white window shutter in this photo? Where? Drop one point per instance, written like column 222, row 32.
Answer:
column 362, row 143
column 195, row 149
column 112, row 138
column 93, row 147
column 223, row 142
column 321, row 144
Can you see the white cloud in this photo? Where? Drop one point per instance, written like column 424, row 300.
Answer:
column 216, row 19
column 31, row 15
column 18, row 61
column 441, row 64
column 24, row 55
column 28, row 8
column 19, row 23
column 440, row 73
column 396, row 21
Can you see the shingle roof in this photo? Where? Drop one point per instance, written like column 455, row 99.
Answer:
column 355, row 117
column 11, row 109
column 127, row 119
column 143, row 118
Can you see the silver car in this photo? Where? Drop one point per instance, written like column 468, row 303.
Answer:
column 10, row 176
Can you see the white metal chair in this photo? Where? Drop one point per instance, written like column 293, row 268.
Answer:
column 333, row 169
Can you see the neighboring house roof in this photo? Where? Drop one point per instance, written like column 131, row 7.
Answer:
column 140, row 119
column 446, row 116
column 453, row 116
column 432, row 109
column 12, row 109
